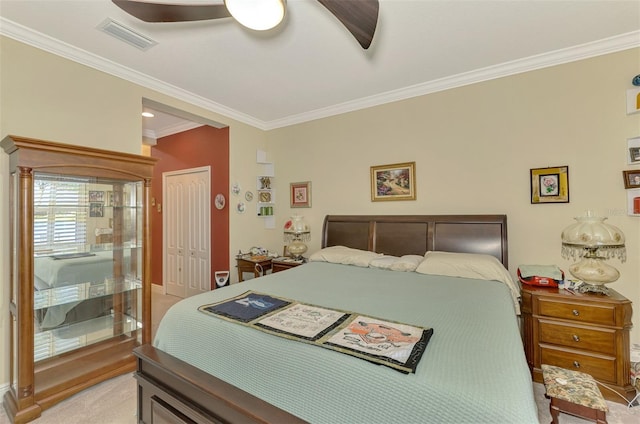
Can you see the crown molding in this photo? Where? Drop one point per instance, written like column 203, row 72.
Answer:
column 584, row 51
column 51, row 45
column 597, row 48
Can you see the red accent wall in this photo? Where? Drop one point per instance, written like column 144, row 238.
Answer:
column 198, row 147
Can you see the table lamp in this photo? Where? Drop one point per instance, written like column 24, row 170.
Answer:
column 296, row 233
column 593, row 241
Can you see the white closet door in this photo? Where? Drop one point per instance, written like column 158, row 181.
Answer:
column 199, row 234
column 187, row 223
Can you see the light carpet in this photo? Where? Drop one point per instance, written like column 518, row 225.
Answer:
column 114, row 402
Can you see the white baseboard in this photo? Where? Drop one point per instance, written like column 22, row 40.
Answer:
column 157, row 288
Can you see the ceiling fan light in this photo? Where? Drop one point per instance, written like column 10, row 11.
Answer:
column 259, row 15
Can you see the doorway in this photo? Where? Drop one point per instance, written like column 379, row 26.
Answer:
column 187, row 231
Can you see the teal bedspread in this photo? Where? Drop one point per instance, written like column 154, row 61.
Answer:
column 473, row 371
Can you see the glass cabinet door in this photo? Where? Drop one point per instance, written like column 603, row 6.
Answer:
column 87, row 238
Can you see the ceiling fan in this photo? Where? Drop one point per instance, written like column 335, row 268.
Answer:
column 358, row 16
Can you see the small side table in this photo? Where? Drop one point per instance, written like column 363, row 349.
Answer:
column 284, row 263
column 258, row 265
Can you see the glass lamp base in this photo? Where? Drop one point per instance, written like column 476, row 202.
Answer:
column 593, row 288
column 594, row 271
column 297, row 249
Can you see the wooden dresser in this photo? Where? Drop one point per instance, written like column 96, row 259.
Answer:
column 580, row 332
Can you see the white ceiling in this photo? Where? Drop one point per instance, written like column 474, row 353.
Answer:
column 311, row 67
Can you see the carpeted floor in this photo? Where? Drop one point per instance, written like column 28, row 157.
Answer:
column 114, row 401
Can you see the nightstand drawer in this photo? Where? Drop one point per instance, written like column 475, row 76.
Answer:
column 597, row 314
column 600, row 367
column 577, row 337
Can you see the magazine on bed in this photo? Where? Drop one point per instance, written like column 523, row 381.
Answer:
column 396, row 345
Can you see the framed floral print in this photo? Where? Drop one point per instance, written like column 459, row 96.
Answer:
column 550, row 185
column 300, row 194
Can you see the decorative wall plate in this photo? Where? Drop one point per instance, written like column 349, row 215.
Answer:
column 235, row 188
column 220, row 201
column 248, row 196
column 240, row 207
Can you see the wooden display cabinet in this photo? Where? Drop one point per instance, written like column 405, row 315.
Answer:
column 77, row 309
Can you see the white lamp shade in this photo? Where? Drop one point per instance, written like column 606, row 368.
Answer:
column 592, row 231
column 591, row 239
column 259, row 15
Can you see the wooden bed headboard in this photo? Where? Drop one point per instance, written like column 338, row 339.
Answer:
column 415, row 234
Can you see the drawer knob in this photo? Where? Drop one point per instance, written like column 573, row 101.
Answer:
column 575, row 338
column 576, row 364
column 575, row 312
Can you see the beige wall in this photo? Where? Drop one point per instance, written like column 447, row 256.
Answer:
column 473, row 149
column 48, row 97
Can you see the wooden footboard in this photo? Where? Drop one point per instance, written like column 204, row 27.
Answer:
column 172, row 391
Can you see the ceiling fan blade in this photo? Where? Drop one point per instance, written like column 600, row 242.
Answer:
column 360, row 17
column 163, row 12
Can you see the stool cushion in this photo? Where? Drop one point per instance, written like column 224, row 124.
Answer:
column 635, row 375
column 580, row 388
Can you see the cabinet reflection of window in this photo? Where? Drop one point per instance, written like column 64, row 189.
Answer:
column 58, row 223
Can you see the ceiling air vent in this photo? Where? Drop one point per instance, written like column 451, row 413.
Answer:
column 128, row 35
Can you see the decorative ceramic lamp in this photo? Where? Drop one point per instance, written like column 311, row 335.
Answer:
column 591, row 239
column 296, row 234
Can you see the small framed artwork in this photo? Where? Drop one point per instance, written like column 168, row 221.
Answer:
column 550, row 185
column 300, row 194
column 633, row 100
column 264, row 196
column 265, row 183
column 631, row 178
column 633, row 155
column 109, row 199
column 96, row 196
column 393, row 182
column 96, row 210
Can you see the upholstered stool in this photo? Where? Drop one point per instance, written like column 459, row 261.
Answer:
column 635, row 380
column 574, row 393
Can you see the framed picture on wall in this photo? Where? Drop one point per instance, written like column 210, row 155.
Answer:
column 550, row 185
column 300, row 194
column 631, row 178
column 633, row 155
column 633, row 100
column 393, row 182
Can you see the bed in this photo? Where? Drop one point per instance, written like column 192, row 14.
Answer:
column 473, row 368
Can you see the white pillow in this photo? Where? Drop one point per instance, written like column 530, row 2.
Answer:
column 344, row 255
column 469, row 265
column 407, row 263
column 384, row 262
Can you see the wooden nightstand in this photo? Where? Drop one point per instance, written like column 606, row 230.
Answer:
column 258, row 265
column 580, row 332
column 282, row 264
